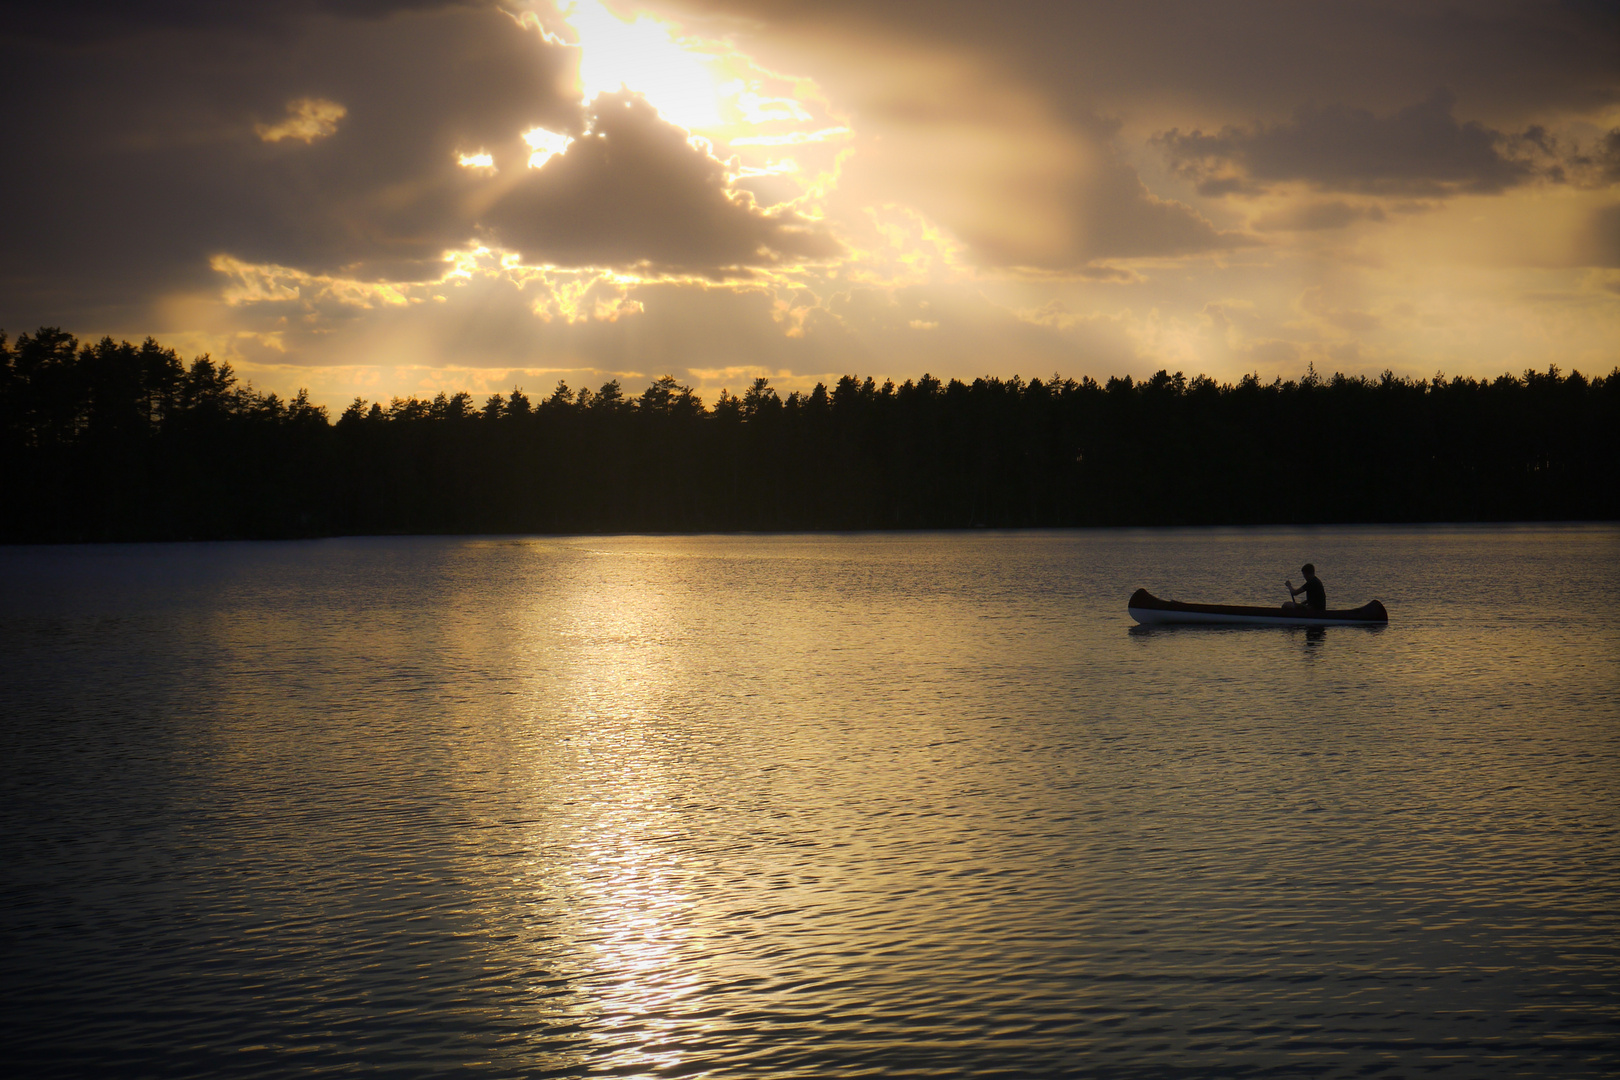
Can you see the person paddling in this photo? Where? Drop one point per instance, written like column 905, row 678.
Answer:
column 1315, row 595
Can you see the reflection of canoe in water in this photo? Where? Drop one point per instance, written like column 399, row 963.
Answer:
column 1149, row 610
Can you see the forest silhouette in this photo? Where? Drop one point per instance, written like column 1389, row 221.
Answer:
column 115, row 441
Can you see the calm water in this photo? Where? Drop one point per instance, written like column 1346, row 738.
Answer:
column 811, row 805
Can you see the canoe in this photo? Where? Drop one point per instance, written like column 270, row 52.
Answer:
column 1149, row 610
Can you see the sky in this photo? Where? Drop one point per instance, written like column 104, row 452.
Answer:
column 386, row 198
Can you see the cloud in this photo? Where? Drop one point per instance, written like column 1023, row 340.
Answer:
column 633, row 190
column 99, row 21
column 1601, row 166
column 1021, row 188
column 710, row 336
column 1603, row 237
column 1103, row 211
column 172, row 141
column 330, row 139
column 1508, row 59
column 1609, row 157
column 181, row 168
column 307, row 119
column 1312, row 216
column 1419, row 150
column 1121, row 218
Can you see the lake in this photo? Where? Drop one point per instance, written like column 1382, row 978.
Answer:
column 763, row 805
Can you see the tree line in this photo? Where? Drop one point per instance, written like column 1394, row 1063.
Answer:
column 108, row 440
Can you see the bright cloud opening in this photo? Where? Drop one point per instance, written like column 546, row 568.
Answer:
column 760, row 109
column 793, row 138
column 645, row 56
column 545, row 144
column 771, row 168
column 479, row 160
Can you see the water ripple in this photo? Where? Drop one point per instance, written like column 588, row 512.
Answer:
column 776, row 806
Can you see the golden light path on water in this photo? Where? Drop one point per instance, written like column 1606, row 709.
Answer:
column 631, row 915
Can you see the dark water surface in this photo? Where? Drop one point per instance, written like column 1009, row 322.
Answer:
column 811, row 805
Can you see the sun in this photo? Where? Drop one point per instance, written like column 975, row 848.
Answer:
column 684, row 79
column 730, row 106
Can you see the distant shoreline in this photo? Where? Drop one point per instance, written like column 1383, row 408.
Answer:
column 1569, row 524
column 118, row 442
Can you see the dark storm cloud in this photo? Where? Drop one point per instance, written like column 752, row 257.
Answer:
column 141, row 150
column 1421, row 149
column 634, row 191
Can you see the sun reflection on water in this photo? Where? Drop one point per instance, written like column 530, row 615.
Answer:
column 630, row 915
column 636, row 936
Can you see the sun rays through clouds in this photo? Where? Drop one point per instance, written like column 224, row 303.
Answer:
column 612, row 187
